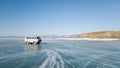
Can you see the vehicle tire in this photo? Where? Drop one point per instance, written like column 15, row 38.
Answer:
column 27, row 42
column 35, row 42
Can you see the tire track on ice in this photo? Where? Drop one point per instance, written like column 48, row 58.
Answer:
column 53, row 60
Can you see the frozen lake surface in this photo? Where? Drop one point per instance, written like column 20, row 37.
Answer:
column 60, row 54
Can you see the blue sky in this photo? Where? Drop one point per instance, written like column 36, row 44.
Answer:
column 44, row 17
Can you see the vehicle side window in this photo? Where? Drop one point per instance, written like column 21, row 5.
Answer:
column 32, row 37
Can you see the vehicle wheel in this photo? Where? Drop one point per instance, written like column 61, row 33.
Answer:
column 27, row 42
column 35, row 42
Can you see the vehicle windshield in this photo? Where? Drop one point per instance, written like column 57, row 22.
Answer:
column 38, row 37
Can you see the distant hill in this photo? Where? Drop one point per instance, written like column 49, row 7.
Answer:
column 10, row 37
column 59, row 36
column 100, row 35
column 45, row 36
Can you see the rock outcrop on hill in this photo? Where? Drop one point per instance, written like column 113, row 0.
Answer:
column 100, row 35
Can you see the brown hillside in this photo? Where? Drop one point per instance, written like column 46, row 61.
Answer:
column 100, row 34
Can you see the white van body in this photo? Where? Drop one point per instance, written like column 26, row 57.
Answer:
column 32, row 40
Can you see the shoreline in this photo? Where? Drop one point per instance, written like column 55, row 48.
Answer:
column 104, row 39
column 88, row 39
